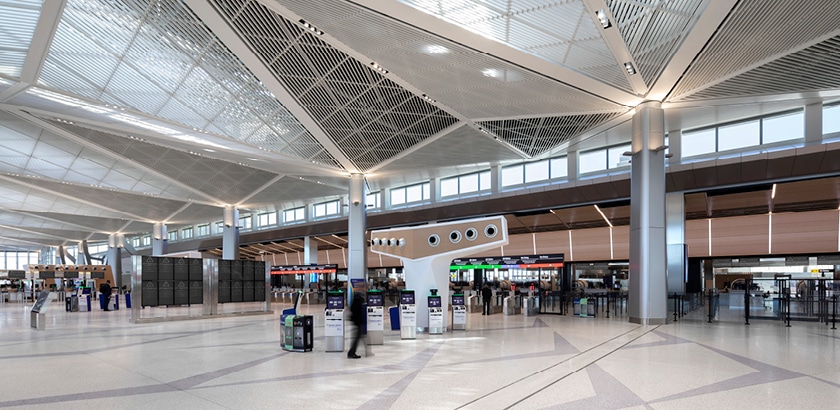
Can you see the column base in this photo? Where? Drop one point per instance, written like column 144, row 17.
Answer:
column 649, row 321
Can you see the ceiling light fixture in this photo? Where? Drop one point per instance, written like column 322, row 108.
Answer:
column 310, row 27
column 603, row 18
column 436, row 49
column 773, row 192
column 490, row 73
column 603, row 216
column 429, row 99
column 629, row 67
column 378, row 67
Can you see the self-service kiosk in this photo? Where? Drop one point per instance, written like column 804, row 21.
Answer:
column 298, row 333
column 375, row 317
column 408, row 315
column 436, row 319
column 334, row 323
column 459, row 312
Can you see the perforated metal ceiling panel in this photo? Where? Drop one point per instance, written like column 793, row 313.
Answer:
column 369, row 117
column 652, row 29
column 754, row 34
column 533, row 136
column 561, row 32
column 197, row 214
column 290, row 189
column 159, row 59
column 472, row 83
column 460, row 149
column 219, row 179
column 17, row 25
column 814, row 68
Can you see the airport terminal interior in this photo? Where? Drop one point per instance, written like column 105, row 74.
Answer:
column 532, row 204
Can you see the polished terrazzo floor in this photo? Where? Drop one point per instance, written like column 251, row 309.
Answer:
column 99, row 360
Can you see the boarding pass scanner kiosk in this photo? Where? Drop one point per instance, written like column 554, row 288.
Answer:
column 408, row 315
column 436, row 318
column 375, row 317
column 334, row 322
column 459, row 312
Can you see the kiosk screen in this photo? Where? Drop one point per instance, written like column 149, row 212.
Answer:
column 434, row 301
column 406, row 298
column 335, row 301
column 374, row 299
column 458, row 300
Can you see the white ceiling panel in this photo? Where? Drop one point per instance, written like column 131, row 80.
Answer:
column 17, row 26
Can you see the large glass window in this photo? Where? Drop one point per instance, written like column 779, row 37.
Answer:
column 831, row 119
column 372, row 200
column 202, row 230
column 172, row 236
column 464, row 184
column 536, row 171
column 220, row 227
column 325, row 209
column 513, row 175
column 783, row 127
column 294, row 214
column 13, row 260
column 616, row 157
column 411, row 193
column 698, row 142
column 267, row 219
column 592, row 161
column 740, row 135
column 559, row 167
column 147, row 240
column 245, row 222
column 187, row 233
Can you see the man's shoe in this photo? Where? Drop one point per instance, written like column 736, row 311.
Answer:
column 353, row 356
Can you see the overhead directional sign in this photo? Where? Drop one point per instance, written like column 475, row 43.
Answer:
column 553, row 260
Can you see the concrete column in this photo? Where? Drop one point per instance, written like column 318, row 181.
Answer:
column 813, row 123
column 356, row 225
column 159, row 239
column 572, row 165
column 114, row 257
column 81, row 258
column 495, row 179
column 310, row 256
column 648, row 265
column 675, row 238
column 230, row 234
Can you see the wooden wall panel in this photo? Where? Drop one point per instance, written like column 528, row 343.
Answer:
column 553, row 242
column 522, row 244
column 805, row 232
column 697, row 237
column 740, row 236
column 621, row 243
column 590, row 244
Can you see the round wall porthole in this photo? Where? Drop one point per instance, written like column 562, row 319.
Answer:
column 471, row 234
column 455, row 237
column 434, row 240
column 490, row 231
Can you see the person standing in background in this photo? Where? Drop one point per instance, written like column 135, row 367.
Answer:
column 486, row 295
column 105, row 290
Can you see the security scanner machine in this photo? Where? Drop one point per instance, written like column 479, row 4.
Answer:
column 459, row 312
column 408, row 315
column 375, row 317
column 334, row 323
column 436, row 318
column 298, row 333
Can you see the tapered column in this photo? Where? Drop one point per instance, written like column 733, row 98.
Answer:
column 310, row 256
column 159, row 239
column 648, row 264
column 356, row 225
column 230, row 234
column 114, row 257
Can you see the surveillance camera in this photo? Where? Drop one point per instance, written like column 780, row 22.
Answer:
column 356, row 203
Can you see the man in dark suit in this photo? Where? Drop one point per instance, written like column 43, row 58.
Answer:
column 486, row 296
column 105, row 293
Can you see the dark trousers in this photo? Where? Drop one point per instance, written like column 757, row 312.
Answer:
column 356, row 337
column 486, row 306
column 107, row 300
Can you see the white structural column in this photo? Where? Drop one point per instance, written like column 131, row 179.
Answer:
column 675, row 146
column 572, row 165
column 356, row 225
column 230, row 234
column 675, row 238
column 115, row 245
column 648, row 266
column 159, row 239
column 813, row 123
column 310, row 256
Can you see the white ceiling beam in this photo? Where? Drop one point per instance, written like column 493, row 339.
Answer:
column 440, row 27
column 615, row 43
column 123, row 159
column 258, row 190
column 6, row 238
column 711, row 14
column 19, row 229
column 805, row 97
column 46, row 218
column 223, row 30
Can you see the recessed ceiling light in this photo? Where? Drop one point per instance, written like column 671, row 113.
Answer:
column 629, row 67
column 490, row 73
column 436, row 49
column 209, row 150
column 378, row 67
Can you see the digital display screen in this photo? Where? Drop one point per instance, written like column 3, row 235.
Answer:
column 374, row 299
column 335, row 302
column 434, row 301
column 406, row 298
column 458, row 300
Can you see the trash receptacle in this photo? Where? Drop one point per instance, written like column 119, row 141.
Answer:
column 394, row 312
column 128, row 300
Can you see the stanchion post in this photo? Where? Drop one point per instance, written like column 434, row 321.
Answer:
column 747, row 303
column 834, row 313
